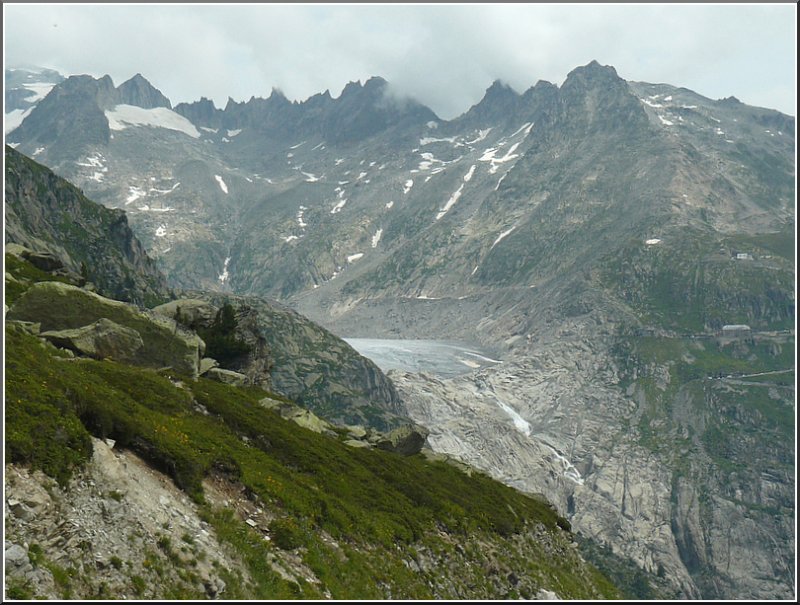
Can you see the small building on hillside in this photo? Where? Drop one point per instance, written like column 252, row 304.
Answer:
column 736, row 331
column 744, row 256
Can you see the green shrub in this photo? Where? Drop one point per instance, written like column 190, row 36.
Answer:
column 286, row 534
column 18, row 590
column 221, row 341
column 35, row 555
column 139, row 585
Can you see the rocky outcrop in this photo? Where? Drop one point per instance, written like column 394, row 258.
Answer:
column 200, row 315
column 206, row 364
column 557, row 423
column 46, row 261
column 306, row 363
column 58, row 306
column 101, row 339
column 230, row 377
column 300, row 416
column 58, row 223
column 106, row 527
column 406, row 440
column 190, row 312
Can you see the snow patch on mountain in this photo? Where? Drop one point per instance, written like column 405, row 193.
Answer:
column 651, row 104
column 174, row 187
column 134, row 193
column 489, row 156
column 223, row 277
column 429, row 140
column 526, row 127
column 482, row 134
column 40, row 90
column 93, row 161
column 125, row 116
column 501, row 236
column 222, row 184
column 407, row 186
column 14, row 118
column 450, row 203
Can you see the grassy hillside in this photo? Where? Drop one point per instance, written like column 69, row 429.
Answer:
column 692, row 282
column 381, row 507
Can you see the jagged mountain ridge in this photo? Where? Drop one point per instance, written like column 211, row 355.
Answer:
column 567, row 214
column 263, row 194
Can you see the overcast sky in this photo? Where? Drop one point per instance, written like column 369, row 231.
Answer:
column 444, row 56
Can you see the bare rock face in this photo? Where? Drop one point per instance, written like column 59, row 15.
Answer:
column 101, row 339
column 306, row 363
column 557, row 423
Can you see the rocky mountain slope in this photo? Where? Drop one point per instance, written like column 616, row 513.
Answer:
column 600, row 234
column 52, row 224
column 316, row 369
column 46, row 213
column 643, row 449
column 260, row 507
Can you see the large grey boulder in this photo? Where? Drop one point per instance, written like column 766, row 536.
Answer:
column 207, row 364
column 46, row 261
column 101, row 339
column 227, row 376
column 16, row 556
column 59, row 306
column 190, row 312
column 299, row 415
column 406, row 440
